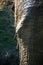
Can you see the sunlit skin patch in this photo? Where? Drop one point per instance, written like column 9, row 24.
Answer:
column 21, row 8
column 20, row 23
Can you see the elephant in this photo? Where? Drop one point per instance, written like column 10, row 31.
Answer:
column 29, row 30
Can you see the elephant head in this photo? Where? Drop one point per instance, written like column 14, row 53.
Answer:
column 29, row 29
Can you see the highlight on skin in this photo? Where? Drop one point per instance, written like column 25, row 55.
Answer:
column 21, row 11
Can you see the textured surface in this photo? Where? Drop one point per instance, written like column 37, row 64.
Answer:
column 23, row 9
column 30, row 35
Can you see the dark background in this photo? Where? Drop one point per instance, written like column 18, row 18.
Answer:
column 8, row 52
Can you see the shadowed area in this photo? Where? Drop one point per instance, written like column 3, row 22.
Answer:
column 9, row 55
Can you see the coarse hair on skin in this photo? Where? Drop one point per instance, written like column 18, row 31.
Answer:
column 21, row 11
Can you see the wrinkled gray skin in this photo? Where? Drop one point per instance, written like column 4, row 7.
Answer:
column 29, row 29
